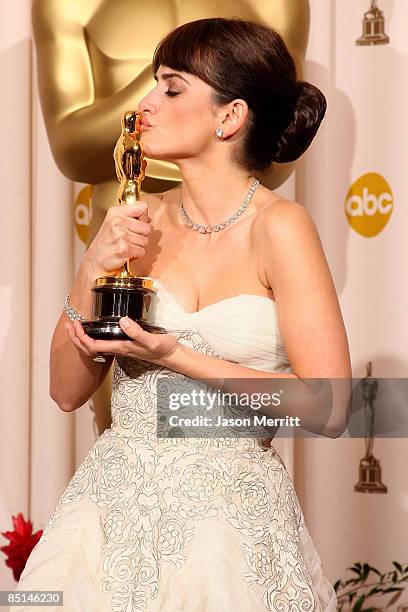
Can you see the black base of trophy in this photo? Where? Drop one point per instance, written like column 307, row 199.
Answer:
column 111, row 330
column 116, row 297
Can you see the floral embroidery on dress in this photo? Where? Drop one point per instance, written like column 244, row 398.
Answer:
column 154, row 492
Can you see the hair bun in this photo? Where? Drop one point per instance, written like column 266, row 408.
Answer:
column 308, row 113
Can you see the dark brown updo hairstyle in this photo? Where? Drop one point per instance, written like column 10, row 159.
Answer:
column 242, row 59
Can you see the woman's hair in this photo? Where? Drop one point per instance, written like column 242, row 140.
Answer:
column 242, row 59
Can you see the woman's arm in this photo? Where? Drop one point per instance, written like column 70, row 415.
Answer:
column 320, row 403
column 74, row 376
column 294, row 265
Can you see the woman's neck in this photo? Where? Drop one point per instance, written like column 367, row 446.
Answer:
column 211, row 195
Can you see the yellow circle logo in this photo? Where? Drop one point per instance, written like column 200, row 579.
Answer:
column 369, row 204
column 83, row 212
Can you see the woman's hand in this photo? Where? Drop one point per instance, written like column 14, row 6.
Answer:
column 122, row 236
column 141, row 344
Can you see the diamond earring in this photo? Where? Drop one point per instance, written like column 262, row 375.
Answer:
column 219, row 132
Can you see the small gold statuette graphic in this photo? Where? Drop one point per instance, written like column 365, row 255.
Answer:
column 370, row 469
column 124, row 295
column 373, row 27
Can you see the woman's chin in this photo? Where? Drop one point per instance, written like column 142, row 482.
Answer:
column 153, row 154
column 147, row 149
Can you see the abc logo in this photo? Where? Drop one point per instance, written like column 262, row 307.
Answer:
column 369, row 204
column 83, row 212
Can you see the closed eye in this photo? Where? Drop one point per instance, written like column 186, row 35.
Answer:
column 172, row 94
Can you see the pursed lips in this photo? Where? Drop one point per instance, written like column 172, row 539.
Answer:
column 145, row 124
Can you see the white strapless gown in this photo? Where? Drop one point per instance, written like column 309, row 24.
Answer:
column 151, row 524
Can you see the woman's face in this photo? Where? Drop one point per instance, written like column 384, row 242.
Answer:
column 179, row 118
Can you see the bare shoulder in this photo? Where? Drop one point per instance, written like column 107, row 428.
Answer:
column 293, row 264
column 280, row 218
column 287, row 241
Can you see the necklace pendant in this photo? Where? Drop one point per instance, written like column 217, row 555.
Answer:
column 202, row 229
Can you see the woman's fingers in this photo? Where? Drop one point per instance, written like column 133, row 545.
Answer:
column 139, row 211
column 122, row 236
column 77, row 335
column 141, row 344
column 137, row 239
column 132, row 210
column 136, row 225
column 92, row 347
column 113, row 347
column 136, row 234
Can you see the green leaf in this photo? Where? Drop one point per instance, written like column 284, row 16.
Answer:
column 379, row 586
column 356, row 566
column 392, row 589
column 352, row 581
column 394, row 599
column 351, row 596
column 373, row 569
column 359, row 603
column 374, row 590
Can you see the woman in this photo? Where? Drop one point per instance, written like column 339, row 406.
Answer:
column 245, row 293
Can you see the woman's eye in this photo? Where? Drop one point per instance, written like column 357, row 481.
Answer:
column 171, row 93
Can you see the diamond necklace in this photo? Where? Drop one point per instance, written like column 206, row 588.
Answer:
column 207, row 229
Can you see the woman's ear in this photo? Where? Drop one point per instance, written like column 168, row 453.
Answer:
column 233, row 117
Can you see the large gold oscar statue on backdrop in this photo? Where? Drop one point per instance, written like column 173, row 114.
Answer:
column 94, row 61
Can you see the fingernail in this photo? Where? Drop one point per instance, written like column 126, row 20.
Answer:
column 124, row 322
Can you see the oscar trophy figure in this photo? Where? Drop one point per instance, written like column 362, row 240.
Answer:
column 370, row 469
column 124, row 295
column 130, row 164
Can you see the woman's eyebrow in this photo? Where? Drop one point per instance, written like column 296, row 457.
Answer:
column 168, row 75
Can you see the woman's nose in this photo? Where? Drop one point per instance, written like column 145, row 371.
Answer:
column 141, row 107
column 146, row 104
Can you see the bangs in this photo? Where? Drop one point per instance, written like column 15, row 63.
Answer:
column 189, row 48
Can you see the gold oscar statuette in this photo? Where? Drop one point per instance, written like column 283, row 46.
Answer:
column 124, row 295
column 373, row 27
column 370, row 468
